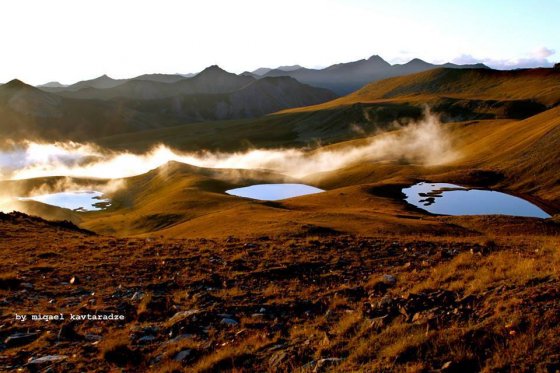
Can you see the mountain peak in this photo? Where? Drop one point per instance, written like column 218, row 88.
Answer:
column 416, row 61
column 289, row 67
column 377, row 60
column 213, row 68
column 52, row 84
column 16, row 84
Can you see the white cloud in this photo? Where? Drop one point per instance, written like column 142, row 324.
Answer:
column 537, row 58
column 424, row 142
column 543, row 52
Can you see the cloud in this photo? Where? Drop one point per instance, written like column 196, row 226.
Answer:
column 543, row 52
column 536, row 58
column 423, row 142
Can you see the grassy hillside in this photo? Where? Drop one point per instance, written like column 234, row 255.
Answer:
column 352, row 279
column 456, row 95
column 539, row 85
column 516, row 155
column 30, row 113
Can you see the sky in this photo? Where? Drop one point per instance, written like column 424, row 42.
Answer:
column 69, row 40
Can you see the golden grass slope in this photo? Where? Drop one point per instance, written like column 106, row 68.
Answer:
column 540, row 85
column 521, row 154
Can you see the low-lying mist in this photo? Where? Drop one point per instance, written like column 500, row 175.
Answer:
column 425, row 142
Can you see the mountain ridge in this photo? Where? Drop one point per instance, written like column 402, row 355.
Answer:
column 341, row 78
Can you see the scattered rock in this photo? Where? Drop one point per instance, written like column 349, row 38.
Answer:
column 20, row 339
column 146, row 339
column 178, row 338
column 183, row 355
column 389, row 280
column 93, row 337
column 137, row 296
column 47, row 359
column 182, row 315
column 323, row 364
column 229, row 322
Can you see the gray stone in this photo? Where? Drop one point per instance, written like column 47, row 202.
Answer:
column 183, row 355
column 146, row 339
column 389, row 279
column 323, row 364
column 19, row 339
column 47, row 359
column 92, row 337
column 229, row 322
column 137, row 296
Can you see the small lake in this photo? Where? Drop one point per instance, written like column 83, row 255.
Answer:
column 450, row 199
column 274, row 192
column 77, row 201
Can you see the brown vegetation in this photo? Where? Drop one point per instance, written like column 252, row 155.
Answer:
column 481, row 300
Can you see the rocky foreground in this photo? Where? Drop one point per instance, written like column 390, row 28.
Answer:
column 311, row 302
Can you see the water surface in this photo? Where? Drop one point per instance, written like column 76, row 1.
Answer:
column 450, row 199
column 78, row 201
column 274, row 192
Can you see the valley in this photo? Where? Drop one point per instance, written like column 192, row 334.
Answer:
column 340, row 274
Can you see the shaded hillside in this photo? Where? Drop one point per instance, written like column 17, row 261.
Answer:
column 344, row 78
column 27, row 112
column 101, row 82
column 211, row 80
column 256, row 99
column 455, row 95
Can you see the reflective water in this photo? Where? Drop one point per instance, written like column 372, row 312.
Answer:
column 450, row 199
column 78, row 201
column 274, row 192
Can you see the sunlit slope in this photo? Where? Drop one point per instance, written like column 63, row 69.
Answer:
column 171, row 194
column 539, row 85
column 527, row 152
column 178, row 200
column 455, row 94
column 519, row 155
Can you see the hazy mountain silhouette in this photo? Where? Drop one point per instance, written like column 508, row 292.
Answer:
column 212, row 80
column 255, row 99
column 344, row 78
column 102, row 82
column 28, row 100
column 341, row 78
column 52, row 85
column 140, row 104
column 163, row 78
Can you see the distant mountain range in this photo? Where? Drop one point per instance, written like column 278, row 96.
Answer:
column 106, row 106
column 344, row 78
